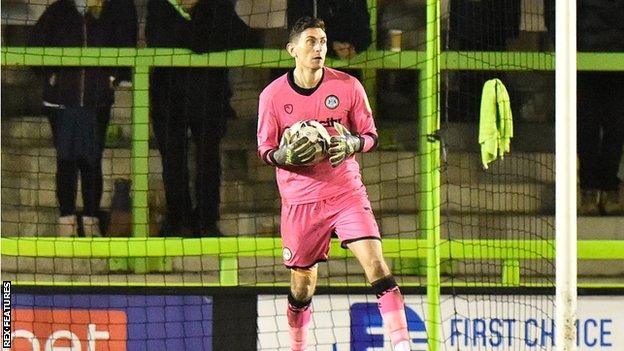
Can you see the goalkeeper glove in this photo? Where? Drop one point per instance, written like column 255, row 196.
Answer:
column 297, row 153
column 343, row 145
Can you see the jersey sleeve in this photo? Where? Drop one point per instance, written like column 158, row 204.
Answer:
column 268, row 129
column 361, row 117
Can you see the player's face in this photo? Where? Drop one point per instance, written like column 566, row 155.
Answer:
column 309, row 49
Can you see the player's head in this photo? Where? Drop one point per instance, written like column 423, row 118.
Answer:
column 307, row 43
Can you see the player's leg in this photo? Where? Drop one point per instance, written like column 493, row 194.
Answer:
column 357, row 229
column 302, row 286
column 369, row 253
column 305, row 239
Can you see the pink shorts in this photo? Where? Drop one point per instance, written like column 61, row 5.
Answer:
column 306, row 228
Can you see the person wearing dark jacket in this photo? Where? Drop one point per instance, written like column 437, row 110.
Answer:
column 600, row 108
column 78, row 100
column 347, row 23
column 192, row 98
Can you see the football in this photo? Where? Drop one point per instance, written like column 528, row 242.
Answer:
column 314, row 131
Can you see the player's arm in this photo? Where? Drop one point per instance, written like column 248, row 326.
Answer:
column 279, row 150
column 362, row 137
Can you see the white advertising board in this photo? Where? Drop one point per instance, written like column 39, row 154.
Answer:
column 470, row 322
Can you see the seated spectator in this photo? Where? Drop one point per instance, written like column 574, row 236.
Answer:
column 78, row 100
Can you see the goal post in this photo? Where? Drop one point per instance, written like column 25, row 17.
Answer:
column 566, row 160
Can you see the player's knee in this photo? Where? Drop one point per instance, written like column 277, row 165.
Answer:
column 303, row 283
column 377, row 269
column 302, row 293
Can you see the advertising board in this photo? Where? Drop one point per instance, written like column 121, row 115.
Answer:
column 111, row 323
column 469, row 322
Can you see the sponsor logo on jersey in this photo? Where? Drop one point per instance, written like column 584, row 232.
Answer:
column 328, row 122
column 332, row 102
column 288, row 108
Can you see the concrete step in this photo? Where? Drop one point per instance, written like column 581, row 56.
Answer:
column 41, row 221
column 528, row 137
column 600, row 227
column 385, row 196
column 31, row 161
column 525, row 198
column 38, row 190
column 37, row 161
column 458, row 137
column 459, row 168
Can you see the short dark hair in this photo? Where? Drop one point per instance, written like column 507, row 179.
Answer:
column 304, row 23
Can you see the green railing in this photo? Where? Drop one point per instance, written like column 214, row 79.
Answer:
column 275, row 58
column 230, row 249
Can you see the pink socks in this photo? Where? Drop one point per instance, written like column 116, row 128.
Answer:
column 393, row 313
column 298, row 320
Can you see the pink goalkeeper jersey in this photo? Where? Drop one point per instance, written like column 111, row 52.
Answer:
column 339, row 97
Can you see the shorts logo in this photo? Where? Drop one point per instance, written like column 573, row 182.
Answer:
column 332, row 102
column 286, row 254
column 288, row 108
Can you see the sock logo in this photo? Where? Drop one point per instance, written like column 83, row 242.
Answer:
column 368, row 334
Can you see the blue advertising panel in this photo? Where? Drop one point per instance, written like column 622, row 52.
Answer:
column 111, row 322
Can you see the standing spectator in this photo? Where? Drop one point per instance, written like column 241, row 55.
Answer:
column 478, row 25
column 347, row 23
column 78, row 100
column 600, row 108
column 192, row 98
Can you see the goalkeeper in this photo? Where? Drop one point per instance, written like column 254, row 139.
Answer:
column 329, row 196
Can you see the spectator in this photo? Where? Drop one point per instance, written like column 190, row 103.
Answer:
column 600, row 108
column 479, row 25
column 78, row 100
column 192, row 98
column 347, row 23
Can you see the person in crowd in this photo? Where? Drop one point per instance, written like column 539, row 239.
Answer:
column 194, row 99
column 600, row 108
column 78, row 100
column 347, row 23
column 480, row 25
column 327, row 197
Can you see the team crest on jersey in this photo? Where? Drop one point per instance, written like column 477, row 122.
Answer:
column 288, row 108
column 286, row 254
column 332, row 102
